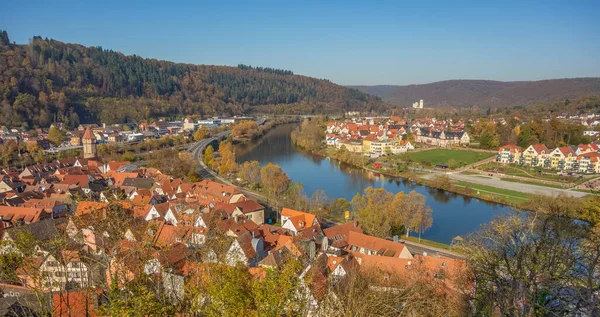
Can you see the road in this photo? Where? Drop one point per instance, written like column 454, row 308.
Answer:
column 198, row 148
column 418, row 248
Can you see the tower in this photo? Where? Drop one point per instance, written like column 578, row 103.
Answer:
column 89, row 144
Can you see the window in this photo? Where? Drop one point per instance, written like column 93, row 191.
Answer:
column 59, row 274
column 443, row 263
column 177, row 239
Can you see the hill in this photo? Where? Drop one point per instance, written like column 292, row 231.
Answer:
column 48, row 80
column 486, row 93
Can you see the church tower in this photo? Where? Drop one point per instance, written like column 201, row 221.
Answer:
column 89, row 144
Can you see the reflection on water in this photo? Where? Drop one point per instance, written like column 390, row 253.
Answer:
column 453, row 214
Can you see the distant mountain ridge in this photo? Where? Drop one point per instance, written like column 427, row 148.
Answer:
column 486, row 93
column 48, row 80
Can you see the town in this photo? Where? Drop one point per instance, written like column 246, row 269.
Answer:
column 84, row 216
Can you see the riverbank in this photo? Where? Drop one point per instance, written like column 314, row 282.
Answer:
column 267, row 126
column 488, row 194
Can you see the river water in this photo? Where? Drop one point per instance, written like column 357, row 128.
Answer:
column 453, row 214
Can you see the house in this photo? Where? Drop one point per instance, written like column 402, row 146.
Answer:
column 245, row 249
column 160, row 211
column 536, row 155
column 89, row 207
column 46, row 272
column 359, row 243
column 589, row 162
column 587, row 148
column 442, row 138
column 249, row 209
column 297, row 221
column 563, row 158
column 509, row 154
column 338, row 235
column 56, row 207
column 22, row 215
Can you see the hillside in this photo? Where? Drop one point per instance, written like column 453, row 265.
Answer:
column 47, row 80
column 486, row 93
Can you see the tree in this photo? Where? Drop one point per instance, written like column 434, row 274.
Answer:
column 274, row 180
column 523, row 262
column 246, row 130
column 489, row 140
column 441, row 182
column 250, row 172
column 452, row 163
column 4, row 40
column 338, row 208
column 372, row 211
column 209, row 157
column 56, row 136
column 201, row 133
column 128, row 156
column 418, row 214
column 227, row 162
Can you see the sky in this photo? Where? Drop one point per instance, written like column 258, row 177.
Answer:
column 348, row 42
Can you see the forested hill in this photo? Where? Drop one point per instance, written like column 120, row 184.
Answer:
column 486, row 93
column 47, row 81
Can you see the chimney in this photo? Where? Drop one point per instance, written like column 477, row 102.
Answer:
column 355, row 223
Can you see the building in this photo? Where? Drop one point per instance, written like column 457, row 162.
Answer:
column 89, row 144
column 442, row 138
column 418, row 105
column 536, row 155
column 509, row 154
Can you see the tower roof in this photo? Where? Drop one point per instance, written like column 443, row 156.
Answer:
column 88, row 134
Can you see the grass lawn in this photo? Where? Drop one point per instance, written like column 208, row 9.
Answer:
column 533, row 173
column 509, row 195
column 443, row 156
column 469, row 173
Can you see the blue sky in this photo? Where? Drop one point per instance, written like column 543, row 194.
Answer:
column 348, row 42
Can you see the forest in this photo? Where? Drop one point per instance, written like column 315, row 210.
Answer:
column 49, row 81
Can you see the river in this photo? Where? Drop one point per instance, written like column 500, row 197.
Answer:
column 453, row 214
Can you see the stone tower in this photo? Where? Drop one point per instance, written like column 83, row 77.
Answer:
column 89, row 144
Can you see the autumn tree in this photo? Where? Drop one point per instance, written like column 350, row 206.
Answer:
column 372, row 211
column 523, row 262
column 201, row 133
column 56, row 136
column 417, row 214
column 250, row 172
column 274, row 180
column 209, row 158
column 245, row 130
column 381, row 212
column 227, row 162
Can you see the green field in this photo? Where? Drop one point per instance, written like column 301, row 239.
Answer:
column 532, row 172
column 508, row 195
column 444, row 156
